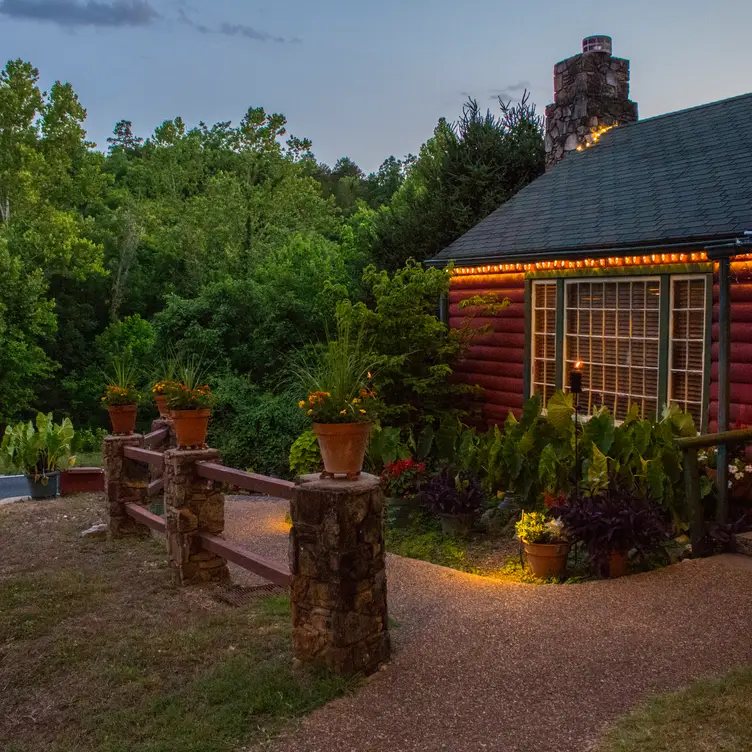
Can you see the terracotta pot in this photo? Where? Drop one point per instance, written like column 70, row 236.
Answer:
column 547, row 559
column 456, row 524
column 123, row 418
column 343, row 447
column 618, row 564
column 191, row 427
column 161, row 400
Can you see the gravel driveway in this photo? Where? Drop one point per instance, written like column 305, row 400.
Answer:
column 484, row 665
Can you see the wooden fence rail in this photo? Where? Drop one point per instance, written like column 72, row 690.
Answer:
column 701, row 546
column 261, row 484
column 253, row 482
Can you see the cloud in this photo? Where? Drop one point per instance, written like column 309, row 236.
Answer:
column 241, row 30
column 122, row 13
column 89, row 13
column 512, row 91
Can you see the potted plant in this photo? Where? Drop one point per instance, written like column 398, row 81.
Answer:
column 190, row 399
column 401, row 481
column 40, row 450
column 164, row 379
column 545, row 544
column 121, row 396
column 455, row 497
column 610, row 523
column 340, row 402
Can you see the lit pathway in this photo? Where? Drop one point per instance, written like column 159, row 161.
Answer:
column 484, row 665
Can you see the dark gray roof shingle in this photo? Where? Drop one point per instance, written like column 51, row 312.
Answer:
column 674, row 178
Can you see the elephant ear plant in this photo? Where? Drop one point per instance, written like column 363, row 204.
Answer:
column 39, row 450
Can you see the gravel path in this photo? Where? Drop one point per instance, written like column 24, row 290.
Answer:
column 484, row 665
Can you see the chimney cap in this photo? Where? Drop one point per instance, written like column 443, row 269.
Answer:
column 597, row 43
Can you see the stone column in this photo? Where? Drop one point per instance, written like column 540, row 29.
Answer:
column 193, row 505
column 338, row 588
column 125, row 481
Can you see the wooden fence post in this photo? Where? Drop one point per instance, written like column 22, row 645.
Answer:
column 338, row 587
column 193, row 505
column 125, row 481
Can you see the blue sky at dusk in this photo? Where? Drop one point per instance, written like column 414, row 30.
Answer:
column 362, row 79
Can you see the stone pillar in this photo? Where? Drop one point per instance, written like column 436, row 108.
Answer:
column 338, row 589
column 192, row 505
column 125, row 481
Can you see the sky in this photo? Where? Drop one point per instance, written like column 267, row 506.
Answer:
column 363, row 79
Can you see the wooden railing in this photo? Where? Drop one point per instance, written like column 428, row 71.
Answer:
column 253, row 482
column 700, row 544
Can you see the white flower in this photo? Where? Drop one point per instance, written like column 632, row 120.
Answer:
column 748, row 468
column 729, row 484
column 732, row 468
column 739, row 476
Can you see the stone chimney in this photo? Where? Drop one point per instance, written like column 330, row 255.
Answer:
column 591, row 93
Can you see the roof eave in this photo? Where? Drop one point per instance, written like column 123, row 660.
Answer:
column 698, row 244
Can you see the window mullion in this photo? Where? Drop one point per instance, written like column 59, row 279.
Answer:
column 664, row 340
column 559, row 334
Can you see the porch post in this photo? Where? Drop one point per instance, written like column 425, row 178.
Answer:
column 724, row 356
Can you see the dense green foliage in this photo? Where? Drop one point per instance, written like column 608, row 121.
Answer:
column 230, row 241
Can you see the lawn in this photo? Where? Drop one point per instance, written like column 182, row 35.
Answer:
column 98, row 651
column 714, row 715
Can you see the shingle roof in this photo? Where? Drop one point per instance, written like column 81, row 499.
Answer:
column 674, row 178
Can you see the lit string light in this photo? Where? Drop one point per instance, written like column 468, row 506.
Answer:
column 603, row 263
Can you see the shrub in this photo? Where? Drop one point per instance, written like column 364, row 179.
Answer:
column 254, row 429
column 452, row 492
column 38, row 448
column 305, row 456
column 614, row 519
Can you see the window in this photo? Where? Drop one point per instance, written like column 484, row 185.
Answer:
column 688, row 321
column 641, row 340
column 613, row 328
column 544, row 339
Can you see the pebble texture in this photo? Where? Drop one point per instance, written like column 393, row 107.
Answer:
column 483, row 665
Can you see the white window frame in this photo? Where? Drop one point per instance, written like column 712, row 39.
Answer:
column 539, row 283
column 613, row 280
column 669, row 382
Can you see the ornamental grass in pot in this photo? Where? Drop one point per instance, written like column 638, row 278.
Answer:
column 190, row 400
column 340, row 402
column 610, row 523
column 455, row 497
column 40, row 450
column 121, row 396
column 546, row 546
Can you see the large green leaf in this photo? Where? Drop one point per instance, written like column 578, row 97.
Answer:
column 597, row 472
column 599, row 430
column 560, row 411
column 547, row 468
column 531, row 411
column 656, row 479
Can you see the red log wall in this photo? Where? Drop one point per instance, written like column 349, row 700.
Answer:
column 740, row 366
column 496, row 360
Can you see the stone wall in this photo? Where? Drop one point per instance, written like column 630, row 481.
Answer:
column 338, row 588
column 591, row 91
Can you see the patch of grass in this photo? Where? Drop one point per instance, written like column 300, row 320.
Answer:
column 100, row 652
column 713, row 715
column 422, row 538
column 89, row 459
